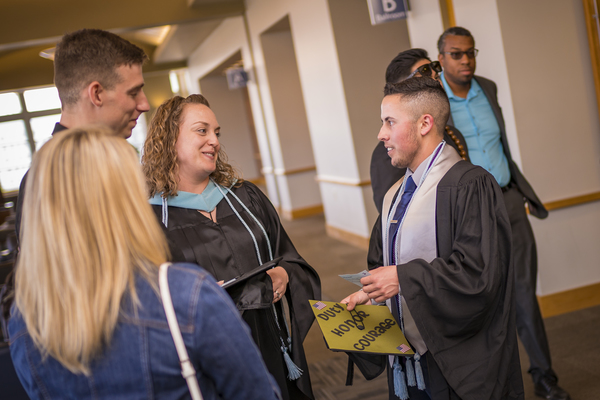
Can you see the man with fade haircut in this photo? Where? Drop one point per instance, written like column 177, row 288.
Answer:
column 99, row 80
column 439, row 257
column 476, row 112
column 409, row 63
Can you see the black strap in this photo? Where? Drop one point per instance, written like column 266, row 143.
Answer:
column 350, row 372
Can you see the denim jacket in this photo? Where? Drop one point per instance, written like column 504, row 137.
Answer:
column 141, row 362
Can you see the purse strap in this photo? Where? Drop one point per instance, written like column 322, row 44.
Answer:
column 187, row 369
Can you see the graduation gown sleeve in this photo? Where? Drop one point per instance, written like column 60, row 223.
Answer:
column 304, row 281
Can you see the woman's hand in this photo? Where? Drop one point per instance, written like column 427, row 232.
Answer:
column 280, row 280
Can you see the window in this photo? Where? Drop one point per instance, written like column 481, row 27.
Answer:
column 15, row 154
column 41, row 99
column 27, row 119
column 9, row 104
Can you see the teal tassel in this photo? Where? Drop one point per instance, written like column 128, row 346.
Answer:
column 410, row 374
column 400, row 389
column 419, row 372
column 293, row 371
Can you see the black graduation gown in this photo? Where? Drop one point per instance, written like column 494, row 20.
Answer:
column 462, row 301
column 226, row 249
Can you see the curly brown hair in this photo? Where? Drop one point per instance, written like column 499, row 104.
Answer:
column 159, row 158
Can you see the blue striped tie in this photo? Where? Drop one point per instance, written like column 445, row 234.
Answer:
column 400, row 389
column 409, row 189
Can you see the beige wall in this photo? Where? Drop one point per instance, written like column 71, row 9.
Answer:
column 425, row 25
column 537, row 53
column 288, row 104
column 364, row 52
column 157, row 88
column 559, row 132
column 298, row 190
column 236, row 125
column 322, row 90
column 555, row 105
column 226, row 40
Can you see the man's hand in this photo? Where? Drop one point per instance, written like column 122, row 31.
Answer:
column 355, row 298
column 381, row 284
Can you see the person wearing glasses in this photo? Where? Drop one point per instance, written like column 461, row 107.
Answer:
column 407, row 64
column 476, row 112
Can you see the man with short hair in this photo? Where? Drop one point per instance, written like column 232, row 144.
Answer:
column 476, row 112
column 439, row 256
column 409, row 63
column 99, row 80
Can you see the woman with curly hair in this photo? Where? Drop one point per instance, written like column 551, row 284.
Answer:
column 228, row 226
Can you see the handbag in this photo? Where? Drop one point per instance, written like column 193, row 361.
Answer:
column 187, row 369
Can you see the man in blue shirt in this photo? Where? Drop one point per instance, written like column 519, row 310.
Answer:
column 476, row 113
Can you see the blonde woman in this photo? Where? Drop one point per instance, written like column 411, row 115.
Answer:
column 228, row 226
column 88, row 321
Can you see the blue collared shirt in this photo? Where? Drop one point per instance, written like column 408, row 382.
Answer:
column 475, row 119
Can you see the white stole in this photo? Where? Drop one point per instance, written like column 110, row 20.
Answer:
column 418, row 236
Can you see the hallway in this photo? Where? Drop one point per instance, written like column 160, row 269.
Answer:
column 573, row 337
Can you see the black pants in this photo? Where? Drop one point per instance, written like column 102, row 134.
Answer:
column 530, row 325
column 436, row 386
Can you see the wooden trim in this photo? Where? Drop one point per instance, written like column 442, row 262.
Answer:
column 257, row 181
column 570, row 300
column 348, row 237
column 30, row 114
column 572, row 201
column 447, row 10
column 12, row 193
column 451, row 17
column 330, row 179
column 286, row 172
column 593, row 43
column 302, row 212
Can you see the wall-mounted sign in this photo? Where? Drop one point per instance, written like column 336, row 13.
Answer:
column 382, row 11
column 236, row 78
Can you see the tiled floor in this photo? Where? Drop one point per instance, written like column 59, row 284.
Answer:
column 574, row 337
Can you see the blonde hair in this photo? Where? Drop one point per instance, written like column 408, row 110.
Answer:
column 159, row 159
column 87, row 231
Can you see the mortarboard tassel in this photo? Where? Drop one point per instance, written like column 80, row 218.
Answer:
column 419, row 372
column 410, row 373
column 400, row 389
column 293, row 371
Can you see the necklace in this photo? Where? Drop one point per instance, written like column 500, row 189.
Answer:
column 461, row 148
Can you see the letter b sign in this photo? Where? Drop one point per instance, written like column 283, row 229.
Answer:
column 389, row 5
column 386, row 10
